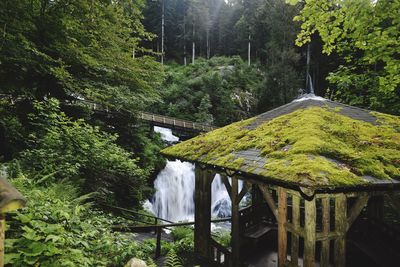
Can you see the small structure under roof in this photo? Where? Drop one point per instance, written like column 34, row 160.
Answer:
column 311, row 154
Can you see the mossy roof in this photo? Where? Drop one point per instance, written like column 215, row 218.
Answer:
column 311, row 142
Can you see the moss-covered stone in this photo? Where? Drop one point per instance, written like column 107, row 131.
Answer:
column 313, row 147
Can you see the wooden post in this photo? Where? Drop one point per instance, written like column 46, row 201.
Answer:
column 235, row 222
column 309, row 233
column 158, row 244
column 2, row 238
column 325, row 231
column 296, row 225
column 341, row 229
column 375, row 207
column 202, row 232
column 282, row 234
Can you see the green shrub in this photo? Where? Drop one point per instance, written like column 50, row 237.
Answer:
column 181, row 232
column 58, row 228
column 61, row 148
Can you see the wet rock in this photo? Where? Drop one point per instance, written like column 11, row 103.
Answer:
column 135, row 262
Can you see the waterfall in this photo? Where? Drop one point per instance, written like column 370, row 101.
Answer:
column 175, row 184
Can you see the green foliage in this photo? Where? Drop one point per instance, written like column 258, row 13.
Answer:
column 61, row 148
column 179, row 233
column 60, row 228
column 221, row 88
column 282, row 68
column 325, row 149
column 223, row 236
column 365, row 35
column 78, row 48
column 173, row 260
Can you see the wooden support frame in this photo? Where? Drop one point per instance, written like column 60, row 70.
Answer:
column 269, row 199
column 309, row 233
column 356, row 209
column 315, row 231
column 326, row 227
column 341, row 229
column 235, row 228
column 202, row 232
column 282, row 234
column 228, row 186
column 296, row 225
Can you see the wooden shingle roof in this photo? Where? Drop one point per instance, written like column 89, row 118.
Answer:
column 311, row 143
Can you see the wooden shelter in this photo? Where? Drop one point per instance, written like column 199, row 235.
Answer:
column 312, row 166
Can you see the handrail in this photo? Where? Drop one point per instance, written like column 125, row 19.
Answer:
column 156, row 226
column 219, row 254
column 135, row 212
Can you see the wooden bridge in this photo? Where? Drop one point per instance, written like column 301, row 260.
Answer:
column 174, row 123
column 157, row 120
column 154, row 119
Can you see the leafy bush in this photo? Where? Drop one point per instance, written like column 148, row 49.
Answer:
column 220, row 90
column 181, row 232
column 58, row 228
column 60, row 148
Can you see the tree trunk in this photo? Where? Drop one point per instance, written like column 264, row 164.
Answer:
column 249, row 51
column 184, row 35
column 162, row 31
column 208, row 43
column 193, row 43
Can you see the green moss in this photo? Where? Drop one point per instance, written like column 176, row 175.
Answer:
column 388, row 120
column 314, row 146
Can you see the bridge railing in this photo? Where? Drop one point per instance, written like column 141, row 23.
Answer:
column 165, row 120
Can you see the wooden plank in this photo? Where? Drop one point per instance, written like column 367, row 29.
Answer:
column 270, row 201
column 309, row 233
column 202, row 233
column 2, row 237
column 325, row 232
column 356, row 209
column 158, row 243
column 235, row 231
column 340, row 228
column 296, row 224
column 282, row 234
column 228, row 187
column 242, row 193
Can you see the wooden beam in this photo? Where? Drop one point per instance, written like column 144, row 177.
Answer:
column 341, row 229
column 242, row 193
column 395, row 203
column 235, row 231
column 270, row 201
column 356, row 209
column 228, row 187
column 282, row 234
column 2, row 238
column 202, row 232
column 309, row 233
column 325, row 231
column 296, row 224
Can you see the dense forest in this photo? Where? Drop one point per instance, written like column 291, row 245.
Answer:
column 211, row 61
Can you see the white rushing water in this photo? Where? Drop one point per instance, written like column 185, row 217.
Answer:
column 174, row 185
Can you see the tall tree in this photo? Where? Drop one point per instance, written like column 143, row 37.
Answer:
column 365, row 34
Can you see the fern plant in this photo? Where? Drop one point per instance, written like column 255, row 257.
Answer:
column 173, row 260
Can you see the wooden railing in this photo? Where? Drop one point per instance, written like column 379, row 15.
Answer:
column 219, row 254
column 175, row 123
